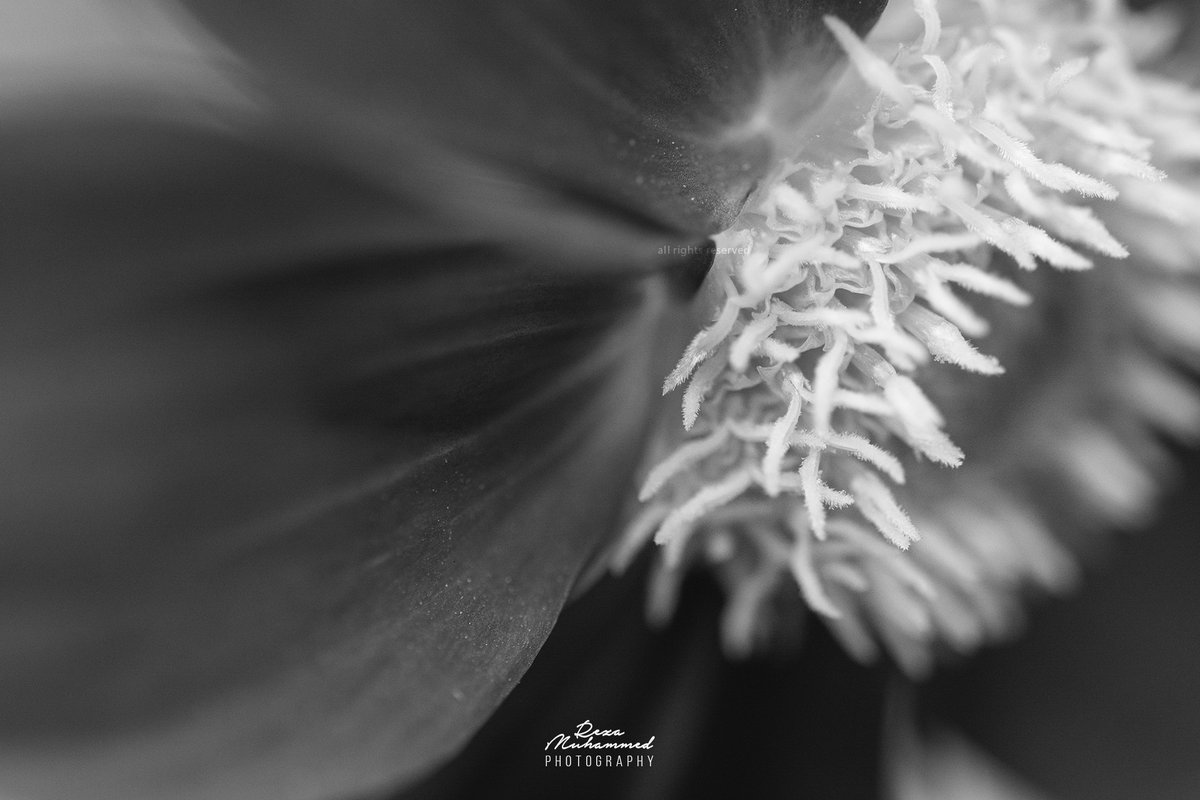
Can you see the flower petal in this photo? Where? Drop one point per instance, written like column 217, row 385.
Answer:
column 292, row 493
column 671, row 110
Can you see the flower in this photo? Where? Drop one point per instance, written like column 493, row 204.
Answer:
column 329, row 345
column 333, row 331
column 983, row 135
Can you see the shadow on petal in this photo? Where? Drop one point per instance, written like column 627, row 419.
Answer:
column 289, row 502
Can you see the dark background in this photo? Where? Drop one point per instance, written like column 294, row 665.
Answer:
column 1099, row 699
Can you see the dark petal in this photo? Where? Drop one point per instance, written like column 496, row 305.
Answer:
column 670, row 110
column 288, row 502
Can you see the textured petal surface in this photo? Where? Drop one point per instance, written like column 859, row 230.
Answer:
column 288, row 507
column 670, row 110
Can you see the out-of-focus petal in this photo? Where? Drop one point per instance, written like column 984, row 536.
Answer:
column 292, row 490
column 319, row 387
column 670, row 110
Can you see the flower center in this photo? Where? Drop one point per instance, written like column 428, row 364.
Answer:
column 841, row 290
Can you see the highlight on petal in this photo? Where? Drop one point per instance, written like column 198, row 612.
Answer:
column 669, row 110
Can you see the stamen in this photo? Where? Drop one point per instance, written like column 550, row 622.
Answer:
column 697, row 388
column 927, row 11
column 946, row 342
column 687, row 455
column 1066, row 72
column 703, row 344
column 985, row 283
column 781, row 431
column 805, row 571
column 881, row 509
column 873, row 69
column 679, row 521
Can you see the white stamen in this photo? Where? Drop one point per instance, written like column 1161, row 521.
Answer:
column 805, row 572
column 825, row 383
column 712, row 496
column 688, row 454
column 873, row 69
column 881, row 510
column 702, row 345
column 781, row 431
column 1066, row 72
column 1055, row 176
column 702, row 381
column 985, row 283
column 927, row 11
column 946, row 342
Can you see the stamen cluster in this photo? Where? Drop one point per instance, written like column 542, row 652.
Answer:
column 989, row 131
